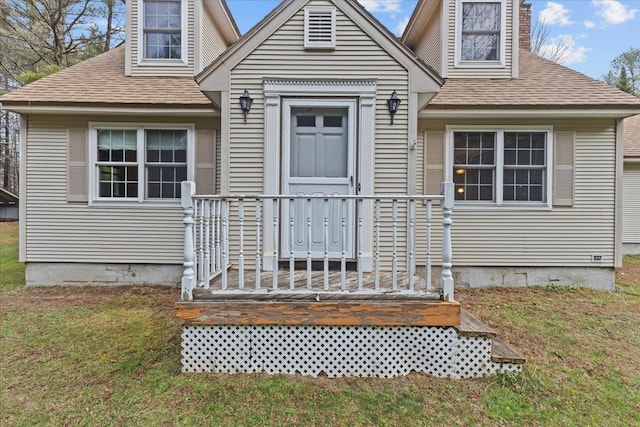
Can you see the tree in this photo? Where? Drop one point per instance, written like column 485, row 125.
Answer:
column 625, row 71
column 553, row 49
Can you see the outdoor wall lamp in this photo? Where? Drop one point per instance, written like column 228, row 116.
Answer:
column 393, row 103
column 245, row 104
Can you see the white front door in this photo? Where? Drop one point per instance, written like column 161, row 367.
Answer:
column 318, row 159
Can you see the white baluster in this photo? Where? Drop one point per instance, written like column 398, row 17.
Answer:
column 394, row 258
column 411, row 243
column 325, row 213
column 206, row 204
column 343, row 258
column 309, row 236
column 188, row 274
column 377, row 255
column 292, row 229
column 241, row 246
column 218, row 231
column 428, row 263
column 258, row 241
column 359, row 207
column 225, row 239
column 274, row 273
column 199, row 218
column 446, row 278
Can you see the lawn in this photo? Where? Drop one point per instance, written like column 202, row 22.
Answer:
column 110, row 356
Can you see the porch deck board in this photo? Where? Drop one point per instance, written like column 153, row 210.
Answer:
column 302, row 291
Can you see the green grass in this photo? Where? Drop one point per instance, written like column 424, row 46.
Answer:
column 111, row 356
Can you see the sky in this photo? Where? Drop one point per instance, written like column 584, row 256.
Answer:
column 594, row 31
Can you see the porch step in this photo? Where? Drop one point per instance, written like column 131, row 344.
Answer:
column 471, row 326
column 502, row 353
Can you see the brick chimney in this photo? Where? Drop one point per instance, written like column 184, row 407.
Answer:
column 525, row 25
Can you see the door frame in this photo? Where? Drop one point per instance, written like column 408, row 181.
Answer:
column 278, row 89
column 288, row 104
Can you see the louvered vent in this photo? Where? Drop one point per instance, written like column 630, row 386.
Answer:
column 319, row 28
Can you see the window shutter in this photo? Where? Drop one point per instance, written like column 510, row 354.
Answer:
column 205, row 161
column 563, row 171
column 319, row 28
column 433, row 161
column 77, row 178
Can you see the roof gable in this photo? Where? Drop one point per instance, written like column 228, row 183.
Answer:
column 214, row 77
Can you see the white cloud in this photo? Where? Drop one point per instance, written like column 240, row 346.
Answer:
column 554, row 14
column 402, row 24
column 564, row 50
column 612, row 11
column 589, row 24
column 381, row 5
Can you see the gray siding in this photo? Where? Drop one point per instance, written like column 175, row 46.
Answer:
column 62, row 231
column 134, row 34
column 474, row 72
column 561, row 236
column 430, row 47
column 212, row 44
column 631, row 203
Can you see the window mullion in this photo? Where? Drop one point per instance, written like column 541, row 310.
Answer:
column 142, row 176
column 499, row 166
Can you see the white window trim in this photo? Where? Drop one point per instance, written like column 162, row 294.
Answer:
column 319, row 45
column 95, row 200
column 500, row 130
column 184, row 27
column 459, row 63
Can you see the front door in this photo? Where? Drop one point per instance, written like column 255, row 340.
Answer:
column 319, row 160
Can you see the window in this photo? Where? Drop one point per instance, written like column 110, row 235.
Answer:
column 162, row 28
column 481, row 35
column 140, row 163
column 501, row 166
column 319, row 28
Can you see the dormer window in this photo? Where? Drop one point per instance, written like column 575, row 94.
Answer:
column 481, row 32
column 163, row 29
column 319, row 28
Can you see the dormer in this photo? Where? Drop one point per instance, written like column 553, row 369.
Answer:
column 467, row 38
column 176, row 37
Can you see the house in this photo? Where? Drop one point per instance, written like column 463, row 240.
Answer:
column 8, row 205
column 631, row 187
column 299, row 180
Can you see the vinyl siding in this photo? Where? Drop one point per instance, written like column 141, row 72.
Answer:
column 356, row 56
column 631, row 203
column 58, row 231
column 135, row 34
column 561, row 236
column 476, row 72
column 212, row 42
column 430, row 47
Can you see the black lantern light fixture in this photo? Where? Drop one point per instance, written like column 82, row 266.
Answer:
column 393, row 103
column 245, row 104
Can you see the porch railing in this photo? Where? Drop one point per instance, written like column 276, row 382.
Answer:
column 255, row 235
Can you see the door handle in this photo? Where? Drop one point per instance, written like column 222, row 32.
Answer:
column 351, row 180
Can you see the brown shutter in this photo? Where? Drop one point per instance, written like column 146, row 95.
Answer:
column 205, row 161
column 77, row 177
column 433, row 161
column 563, row 171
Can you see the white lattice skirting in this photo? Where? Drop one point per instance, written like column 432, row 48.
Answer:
column 338, row 351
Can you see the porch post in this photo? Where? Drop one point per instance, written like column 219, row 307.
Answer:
column 188, row 275
column 446, row 278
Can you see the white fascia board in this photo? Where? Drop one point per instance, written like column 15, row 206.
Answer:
column 631, row 160
column 142, row 111
column 525, row 113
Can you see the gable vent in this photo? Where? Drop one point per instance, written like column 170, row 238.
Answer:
column 319, row 28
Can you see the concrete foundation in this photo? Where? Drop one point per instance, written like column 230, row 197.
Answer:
column 631, row 248
column 69, row 274
column 600, row 278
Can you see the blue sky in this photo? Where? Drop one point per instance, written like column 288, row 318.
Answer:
column 595, row 31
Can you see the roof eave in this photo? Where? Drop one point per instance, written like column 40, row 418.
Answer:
column 183, row 110
column 614, row 112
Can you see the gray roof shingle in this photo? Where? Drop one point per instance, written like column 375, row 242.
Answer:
column 632, row 136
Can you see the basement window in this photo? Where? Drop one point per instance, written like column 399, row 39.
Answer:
column 319, row 28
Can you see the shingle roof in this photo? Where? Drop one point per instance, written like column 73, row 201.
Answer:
column 101, row 81
column 541, row 83
column 632, row 136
